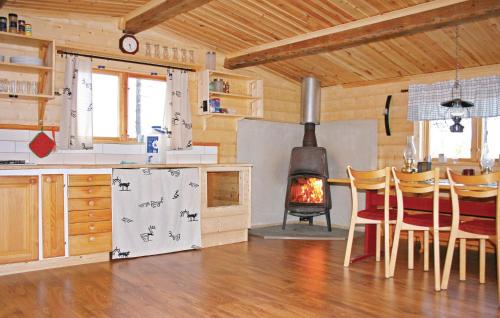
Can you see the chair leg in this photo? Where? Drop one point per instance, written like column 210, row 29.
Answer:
column 426, row 250
column 437, row 262
column 394, row 252
column 449, row 259
column 377, row 242
column 482, row 261
column 328, row 221
column 284, row 219
column 463, row 258
column 350, row 236
column 498, row 258
column 410, row 249
column 386, row 250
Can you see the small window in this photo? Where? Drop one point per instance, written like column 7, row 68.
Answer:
column 106, row 102
column 492, row 138
column 146, row 102
column 452, row 145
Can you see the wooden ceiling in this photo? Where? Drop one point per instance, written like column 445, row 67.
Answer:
column 234, row 25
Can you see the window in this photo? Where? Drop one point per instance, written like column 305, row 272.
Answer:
column 492, row 137
column 146, row 101
column 452, row 145
column 126, row 105
column 106, row 102
column 463, row 146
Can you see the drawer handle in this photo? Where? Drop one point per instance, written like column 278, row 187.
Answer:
column 92, row 239
column 48, row 180
column 91, row 215
column 90, row 179
column 91, row 227
column 89, row 190
column 33, row 180
column 91, row 203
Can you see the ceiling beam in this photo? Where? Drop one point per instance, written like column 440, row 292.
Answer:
column 411, row 20
column 155, row 12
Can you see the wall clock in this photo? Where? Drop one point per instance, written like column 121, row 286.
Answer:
column 129, row 44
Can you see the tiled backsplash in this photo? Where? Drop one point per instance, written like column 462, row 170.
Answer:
column 14, row 146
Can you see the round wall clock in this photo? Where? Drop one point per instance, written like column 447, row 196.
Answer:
column 129, row 44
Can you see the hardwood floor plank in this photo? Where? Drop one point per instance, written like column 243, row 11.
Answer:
column 261, row 278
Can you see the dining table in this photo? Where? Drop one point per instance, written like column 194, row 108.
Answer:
column 375, row 199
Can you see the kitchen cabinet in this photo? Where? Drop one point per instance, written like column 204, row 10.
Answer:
column 18, row 219
column 53, row 215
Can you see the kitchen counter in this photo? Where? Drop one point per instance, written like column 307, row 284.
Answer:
column 118, row 166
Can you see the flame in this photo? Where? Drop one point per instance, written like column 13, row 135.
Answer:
column 307, row 190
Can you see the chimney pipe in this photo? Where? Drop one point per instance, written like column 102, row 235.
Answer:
column 310, row 109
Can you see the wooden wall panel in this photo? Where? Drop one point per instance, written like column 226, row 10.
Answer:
column 281, row 97
column 53, row 215
column 368, row 102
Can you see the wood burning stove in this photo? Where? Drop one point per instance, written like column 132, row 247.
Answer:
column 308, row 192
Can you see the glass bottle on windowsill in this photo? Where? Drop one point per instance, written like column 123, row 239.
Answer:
column 410, row 156
column 487, row 161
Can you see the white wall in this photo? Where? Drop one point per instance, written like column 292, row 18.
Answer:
column 14, row 146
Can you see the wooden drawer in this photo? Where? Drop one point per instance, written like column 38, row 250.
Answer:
column 89, row 192
column 89, row 204
column 89, row 216
column 89, row 228
column 79, row 180
column 89, row 244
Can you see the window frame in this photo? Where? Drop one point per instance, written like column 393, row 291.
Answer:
column 123, row 76
column 476, row 142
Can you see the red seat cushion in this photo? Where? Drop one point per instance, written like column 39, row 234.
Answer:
column 376, row 214
column 483, row 227
column 425, row 219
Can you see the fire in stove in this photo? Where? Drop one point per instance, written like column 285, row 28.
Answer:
column 306, row 190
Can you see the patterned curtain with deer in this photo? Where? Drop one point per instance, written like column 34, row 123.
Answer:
column 177, row 115
column 155, row 211
column 76, row 122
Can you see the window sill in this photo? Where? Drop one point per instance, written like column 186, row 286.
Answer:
column 111, row 140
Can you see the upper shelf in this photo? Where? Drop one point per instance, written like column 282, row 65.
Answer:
column 240, row 96
column 231, row 75
column 23, row 67
column 17, row 39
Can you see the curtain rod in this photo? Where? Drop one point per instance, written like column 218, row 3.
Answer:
column 117, row 59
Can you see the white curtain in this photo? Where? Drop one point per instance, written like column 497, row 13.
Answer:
column 424, row 100
column 155, row 211
column 177, row 115
column 76, row 122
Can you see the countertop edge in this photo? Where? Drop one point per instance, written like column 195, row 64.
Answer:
column 120, row 166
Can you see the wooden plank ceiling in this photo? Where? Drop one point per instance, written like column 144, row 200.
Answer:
column 234, row 25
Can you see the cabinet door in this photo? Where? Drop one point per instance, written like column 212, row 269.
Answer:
column 18, row 219
column 53, row 215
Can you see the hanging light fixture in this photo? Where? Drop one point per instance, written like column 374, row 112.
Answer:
column 456, row 105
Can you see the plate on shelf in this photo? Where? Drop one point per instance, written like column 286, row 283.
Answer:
column 1, row 58
column 27, row 60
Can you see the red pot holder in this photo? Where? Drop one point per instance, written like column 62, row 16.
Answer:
column 42, row 145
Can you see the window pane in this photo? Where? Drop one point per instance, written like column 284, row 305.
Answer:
column 493, row 135
column 106, row 101
column 452, row 145
column 146, row 100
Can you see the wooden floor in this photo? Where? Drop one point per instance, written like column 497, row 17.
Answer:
column 261, row 278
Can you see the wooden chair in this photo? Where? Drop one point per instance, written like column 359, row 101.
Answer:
column 370, row 180
column 417, row 183
column 479, row 229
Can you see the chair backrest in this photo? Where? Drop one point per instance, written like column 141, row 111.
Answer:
column 483, row 186
column 369, row 180
column 417, row 183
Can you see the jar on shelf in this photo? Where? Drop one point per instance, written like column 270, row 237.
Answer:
column 21, row 27
column 3, row 24
column 12, row 23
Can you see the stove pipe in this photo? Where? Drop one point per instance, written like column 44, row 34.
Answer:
column 310, row 109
